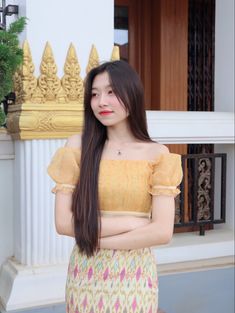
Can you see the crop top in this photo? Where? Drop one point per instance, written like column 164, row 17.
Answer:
column 124, row 186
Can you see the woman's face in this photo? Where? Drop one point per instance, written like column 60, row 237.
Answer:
column 107, row 108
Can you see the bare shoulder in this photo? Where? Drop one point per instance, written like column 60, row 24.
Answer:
column 156, row 149
column 74, row 141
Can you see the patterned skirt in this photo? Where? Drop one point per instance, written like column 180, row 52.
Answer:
column 112, row 281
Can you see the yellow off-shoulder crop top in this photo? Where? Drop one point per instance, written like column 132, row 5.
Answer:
column 125, row 186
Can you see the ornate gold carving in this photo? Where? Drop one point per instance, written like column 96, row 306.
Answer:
column 71, row 81
column 48, row 107
column 29, row 80
column 48, row 81
column 61, row 96
column 93, row 59
column 18, row 86
column 115, row 54
column 25, row 82
column 45, row 120
column 37, row 96
column 13, row 124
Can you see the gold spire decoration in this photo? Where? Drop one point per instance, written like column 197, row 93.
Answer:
column 93, row 59
column 115, row 54
column 48, row 81
column 71, row 81
column 24, row 80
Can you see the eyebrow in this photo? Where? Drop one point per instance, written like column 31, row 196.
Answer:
column 108, row 86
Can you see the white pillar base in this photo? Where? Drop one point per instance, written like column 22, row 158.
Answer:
column 24, row 287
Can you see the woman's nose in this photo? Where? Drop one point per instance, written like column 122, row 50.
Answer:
column 103, row 100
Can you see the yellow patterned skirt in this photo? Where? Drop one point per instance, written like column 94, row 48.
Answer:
column 112, row 281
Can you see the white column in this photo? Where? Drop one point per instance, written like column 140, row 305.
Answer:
column 36, row 241
column 36, row 275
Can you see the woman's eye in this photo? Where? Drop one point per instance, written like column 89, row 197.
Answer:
column 94, row 94
column 110, row 92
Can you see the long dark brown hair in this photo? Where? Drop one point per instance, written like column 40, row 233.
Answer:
column 127, row 86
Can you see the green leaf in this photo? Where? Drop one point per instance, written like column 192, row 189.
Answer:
column 18, row 26
column 11, row 55
column 2, row 117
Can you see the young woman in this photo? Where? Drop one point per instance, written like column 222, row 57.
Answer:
column 115, row 190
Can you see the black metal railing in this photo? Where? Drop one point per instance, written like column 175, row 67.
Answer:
column 202, row 201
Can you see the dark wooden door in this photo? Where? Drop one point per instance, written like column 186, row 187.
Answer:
column 156, row 46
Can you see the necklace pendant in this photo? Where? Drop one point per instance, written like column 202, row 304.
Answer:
column 119, row 152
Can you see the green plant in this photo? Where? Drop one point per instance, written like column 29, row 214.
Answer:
column 2, row 116
column 11, row 55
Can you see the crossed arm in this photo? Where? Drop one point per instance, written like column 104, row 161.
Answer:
column 123, row 232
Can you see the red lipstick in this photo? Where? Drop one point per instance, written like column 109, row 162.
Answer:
column 105, row 112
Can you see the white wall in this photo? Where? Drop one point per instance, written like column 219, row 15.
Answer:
column 6, row 197
column 224, row 55
column 61, row 22
column 224, row 88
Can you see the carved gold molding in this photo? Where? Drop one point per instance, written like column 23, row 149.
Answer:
column 31, row 121
column 47, row 106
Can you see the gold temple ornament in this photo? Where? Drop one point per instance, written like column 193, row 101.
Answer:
column 47, row 106
column 93, row 59
column 115, row 54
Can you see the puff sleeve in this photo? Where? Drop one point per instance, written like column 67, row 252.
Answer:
column 166, row 175
column 64, row 169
